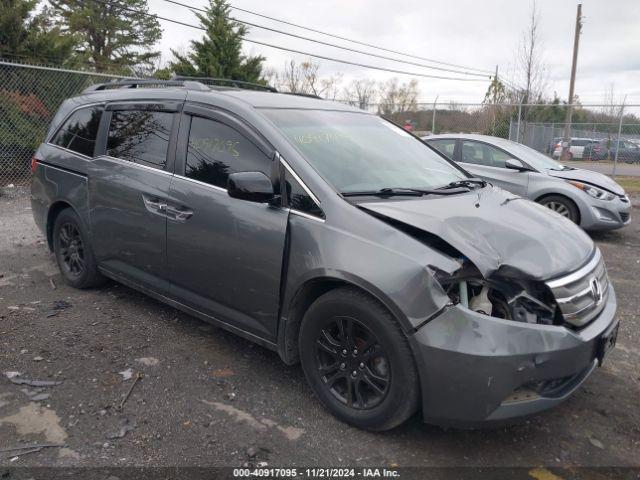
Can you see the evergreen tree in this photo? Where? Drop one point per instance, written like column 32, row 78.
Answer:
column 219, row 53
column 116, row 36
column 32, row 37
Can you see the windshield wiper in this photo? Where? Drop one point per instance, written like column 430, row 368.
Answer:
column 408, row 192
column 467, row 182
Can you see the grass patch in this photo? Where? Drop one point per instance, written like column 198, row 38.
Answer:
column 630, row 184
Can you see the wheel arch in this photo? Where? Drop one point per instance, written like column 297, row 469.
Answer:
column 53, row 212
column 305, row 295
column 569, row 199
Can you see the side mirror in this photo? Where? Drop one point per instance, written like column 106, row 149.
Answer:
column 251, row 186
column 515, row 164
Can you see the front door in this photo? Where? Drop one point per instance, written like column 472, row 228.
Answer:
column 489, row 162
column 224, row 254
column 128, row 186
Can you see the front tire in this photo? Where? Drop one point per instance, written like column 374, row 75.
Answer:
column 73, row 252
column 358, row 361
column 562, row 206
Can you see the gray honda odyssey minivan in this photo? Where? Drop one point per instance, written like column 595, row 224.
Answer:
column 398, row 281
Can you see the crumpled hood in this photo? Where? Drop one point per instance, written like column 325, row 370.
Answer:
column 587, row 176
column 494, row 229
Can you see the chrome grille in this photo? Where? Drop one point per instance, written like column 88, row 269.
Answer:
column 581, row 295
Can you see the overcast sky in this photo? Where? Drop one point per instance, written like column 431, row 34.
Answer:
column 479, row 34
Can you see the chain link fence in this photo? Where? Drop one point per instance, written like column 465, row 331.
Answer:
column 29, row 98
column 609, row 134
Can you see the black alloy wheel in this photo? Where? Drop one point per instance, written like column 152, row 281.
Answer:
column 358, row 361
column 71, row 250
column 352, row 363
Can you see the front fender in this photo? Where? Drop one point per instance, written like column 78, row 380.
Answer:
column 394, row 268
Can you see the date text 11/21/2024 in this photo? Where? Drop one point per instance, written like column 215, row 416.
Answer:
column 316, row 472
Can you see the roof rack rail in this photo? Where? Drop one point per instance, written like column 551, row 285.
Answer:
column 227, row 81
column 139, row 82
column 308, row 95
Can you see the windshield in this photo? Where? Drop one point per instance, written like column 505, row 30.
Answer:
column 534, row 158
column 360, row 152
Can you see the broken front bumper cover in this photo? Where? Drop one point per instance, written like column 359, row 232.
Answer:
column 475, row 369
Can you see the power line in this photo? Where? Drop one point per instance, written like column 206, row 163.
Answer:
column 358, row 42
column 509, row 83
column 335, row 45
column 301, row 52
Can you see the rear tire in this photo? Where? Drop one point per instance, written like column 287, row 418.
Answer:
column 358, row 361
column 562, row 206
column 73, row 252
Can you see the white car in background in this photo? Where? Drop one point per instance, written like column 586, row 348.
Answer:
column 576, row 148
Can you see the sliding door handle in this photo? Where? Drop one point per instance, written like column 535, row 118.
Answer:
column 155, row 205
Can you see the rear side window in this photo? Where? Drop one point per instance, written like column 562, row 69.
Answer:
column 216, row 150
column 140, row 136
column 445, row 146
column 298, row 198
column 79, row 132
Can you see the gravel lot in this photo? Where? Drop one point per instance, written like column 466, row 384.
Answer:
column 209, row 398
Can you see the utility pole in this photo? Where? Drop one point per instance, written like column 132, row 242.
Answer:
column 569, row 115
column 433, row 118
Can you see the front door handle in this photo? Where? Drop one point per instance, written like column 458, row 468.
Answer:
column 179, row 214
column 155, row 205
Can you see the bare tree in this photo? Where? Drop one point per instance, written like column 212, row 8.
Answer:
column 396, row 97
column 290, row 79
column 305, row 78
column 531, row 65
column 610, row 112
column 530, row 59
column 612, row 103
column 361, row 93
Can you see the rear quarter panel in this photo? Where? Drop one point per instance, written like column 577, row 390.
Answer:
column 60, row 176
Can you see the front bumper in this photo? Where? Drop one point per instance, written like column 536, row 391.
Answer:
column 476, row 369
column 604, row 214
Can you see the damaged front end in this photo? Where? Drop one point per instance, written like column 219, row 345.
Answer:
column 571, row 300
column 530, row 313
column 519, row 299
column 510, row 345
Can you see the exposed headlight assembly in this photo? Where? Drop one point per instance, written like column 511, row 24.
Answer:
column 595, row 192
column 504, row 298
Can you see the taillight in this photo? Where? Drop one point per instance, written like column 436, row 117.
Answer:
column 596, row 149
column 34, row 164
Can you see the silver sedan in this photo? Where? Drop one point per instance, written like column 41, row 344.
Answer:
column 590, row 199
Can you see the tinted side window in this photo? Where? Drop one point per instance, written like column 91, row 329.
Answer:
column 140, row 136
column 299, row 199
column 472, row 152
column 483, row 154
column 498, row 157
column 79, row 132
column 445, row 146
column 216, row 150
